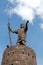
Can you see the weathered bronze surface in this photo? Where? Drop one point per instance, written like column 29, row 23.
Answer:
column 21, row 33
column 20, row 54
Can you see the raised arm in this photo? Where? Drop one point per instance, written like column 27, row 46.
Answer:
column 26, row 26
column 13, row 31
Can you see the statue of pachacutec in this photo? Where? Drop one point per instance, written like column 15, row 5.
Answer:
column 21, row 33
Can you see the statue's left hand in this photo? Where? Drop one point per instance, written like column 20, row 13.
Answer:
column 27, row 21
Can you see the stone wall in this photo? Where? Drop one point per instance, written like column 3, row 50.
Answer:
column 19, row 55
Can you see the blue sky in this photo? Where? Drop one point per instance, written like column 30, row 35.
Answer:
column 35, row 32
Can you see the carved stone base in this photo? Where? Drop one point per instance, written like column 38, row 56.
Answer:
column 19, row 55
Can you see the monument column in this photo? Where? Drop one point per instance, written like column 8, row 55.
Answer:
column 19, row 54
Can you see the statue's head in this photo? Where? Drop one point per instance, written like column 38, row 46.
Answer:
column 22, row 26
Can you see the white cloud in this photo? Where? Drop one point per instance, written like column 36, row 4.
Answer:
column 41, row 26
column 40, row 10
column 11, row 1
column 25, row 8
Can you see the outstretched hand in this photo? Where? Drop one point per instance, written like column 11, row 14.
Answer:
column 27, row 21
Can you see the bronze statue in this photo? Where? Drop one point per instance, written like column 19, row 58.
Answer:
column 21, row 33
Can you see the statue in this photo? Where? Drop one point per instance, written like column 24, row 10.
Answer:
column 21, row 33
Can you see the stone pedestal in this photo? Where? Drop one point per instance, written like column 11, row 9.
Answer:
column 19, row 55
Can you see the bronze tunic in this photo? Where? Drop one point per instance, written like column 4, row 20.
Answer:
column 21, row 35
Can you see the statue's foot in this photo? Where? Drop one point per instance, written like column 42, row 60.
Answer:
column 18, row 43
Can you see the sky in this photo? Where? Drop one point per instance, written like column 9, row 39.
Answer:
column 19, row 11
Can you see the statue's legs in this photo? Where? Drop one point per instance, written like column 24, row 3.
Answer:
column 21, row 42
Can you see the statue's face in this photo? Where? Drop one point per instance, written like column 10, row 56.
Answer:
column 22, row 26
